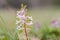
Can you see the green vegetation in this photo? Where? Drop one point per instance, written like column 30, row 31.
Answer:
column 45, row 32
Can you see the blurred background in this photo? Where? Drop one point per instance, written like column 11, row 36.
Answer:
column 46, row 18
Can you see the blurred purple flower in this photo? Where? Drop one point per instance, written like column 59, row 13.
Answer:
column 55, row 23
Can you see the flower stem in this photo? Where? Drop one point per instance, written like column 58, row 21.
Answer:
column 25, row 31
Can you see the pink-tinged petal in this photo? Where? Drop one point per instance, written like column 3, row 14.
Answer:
column 29, row 23
column 22, row 21
column 21, row 17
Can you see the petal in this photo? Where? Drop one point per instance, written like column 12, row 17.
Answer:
column 17, row 22
column 29, row 23
column 19, row 28
column 21, row 12
column 29, row 17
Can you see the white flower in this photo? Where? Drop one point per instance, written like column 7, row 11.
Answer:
column 29, row 17
column 21, row 12
column 23, row 19
column 20, row 28
column 29, row 23
column 17, row 22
